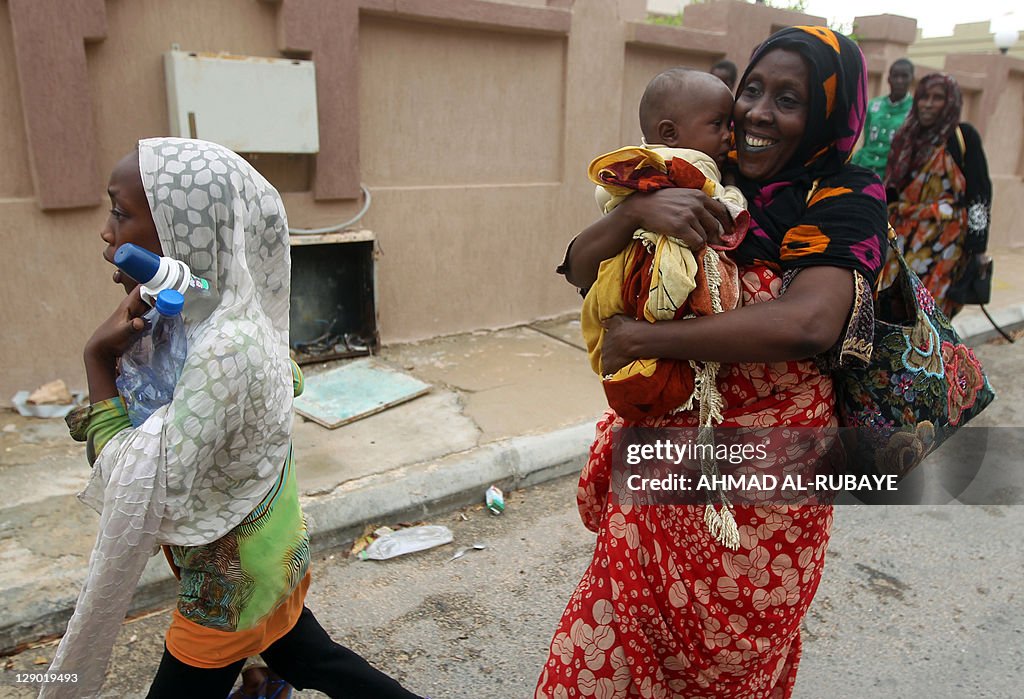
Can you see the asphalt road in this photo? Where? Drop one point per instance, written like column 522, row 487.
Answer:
column 916, row 601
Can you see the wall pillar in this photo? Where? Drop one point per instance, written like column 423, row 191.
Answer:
column 49, row 47
column 328, row 30
column 883, row 39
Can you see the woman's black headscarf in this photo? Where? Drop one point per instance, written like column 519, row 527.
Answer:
column 844, row 223
column 914, row 144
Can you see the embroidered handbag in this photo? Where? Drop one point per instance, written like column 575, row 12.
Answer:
column 921, row 384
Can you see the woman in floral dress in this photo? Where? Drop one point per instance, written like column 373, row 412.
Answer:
column 938, row 181
column 672, row 604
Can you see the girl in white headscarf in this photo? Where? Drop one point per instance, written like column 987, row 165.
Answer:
column 209, row 476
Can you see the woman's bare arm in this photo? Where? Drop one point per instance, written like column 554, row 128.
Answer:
column 807, row 320
column 686, row 214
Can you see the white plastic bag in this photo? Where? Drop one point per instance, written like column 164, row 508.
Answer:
column 407, row 540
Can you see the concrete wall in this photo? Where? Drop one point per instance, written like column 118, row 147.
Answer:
column 471, row 121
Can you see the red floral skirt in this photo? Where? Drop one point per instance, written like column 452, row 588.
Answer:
column 664, row 610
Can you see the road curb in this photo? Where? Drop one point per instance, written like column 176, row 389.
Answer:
column 420, row 491
column 976, row 329
column 406, row 493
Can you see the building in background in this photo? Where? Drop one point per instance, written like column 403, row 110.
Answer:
column 973, row 37
column 666, row 7
column 549, row 82
column 929, row 52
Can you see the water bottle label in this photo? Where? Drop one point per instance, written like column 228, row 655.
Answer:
column 199, row 283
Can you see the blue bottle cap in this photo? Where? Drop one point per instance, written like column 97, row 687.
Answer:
column 169, row 302
column 138, row 263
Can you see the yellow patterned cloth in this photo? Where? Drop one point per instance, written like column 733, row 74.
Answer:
column 673, row 265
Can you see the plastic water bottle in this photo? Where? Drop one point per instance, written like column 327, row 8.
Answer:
column 156, row 273
column 150, row 368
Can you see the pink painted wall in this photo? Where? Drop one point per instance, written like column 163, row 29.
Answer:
column 472, row 122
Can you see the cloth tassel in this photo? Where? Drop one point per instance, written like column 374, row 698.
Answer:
column 705, row 392
column 720, row 521
column 712, row 519
column 722, row 525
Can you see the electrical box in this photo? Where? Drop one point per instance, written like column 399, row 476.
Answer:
column 333, row 312
column 247, row 103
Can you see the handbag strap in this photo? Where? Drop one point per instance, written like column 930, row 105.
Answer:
column 905, row 272
column 1008, row 337
column 961, row 142
column 812, row 190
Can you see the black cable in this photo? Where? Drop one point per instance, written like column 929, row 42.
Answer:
column 1001, row 331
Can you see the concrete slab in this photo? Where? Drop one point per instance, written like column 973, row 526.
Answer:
column 512, row 382
column 564, row 328
column 28, row 546
column 355, row 389
column 38, row 460
column 399, row 436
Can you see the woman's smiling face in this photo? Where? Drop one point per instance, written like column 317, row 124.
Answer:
column 771, row 114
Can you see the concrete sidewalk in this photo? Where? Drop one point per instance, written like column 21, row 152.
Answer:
column 509, row 407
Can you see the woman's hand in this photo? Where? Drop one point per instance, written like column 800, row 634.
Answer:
column 686, row 214
column 109, row 341
column 620, row 343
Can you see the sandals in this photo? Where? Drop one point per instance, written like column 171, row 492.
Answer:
column 275, row 688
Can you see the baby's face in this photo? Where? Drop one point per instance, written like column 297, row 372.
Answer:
column 705, row 125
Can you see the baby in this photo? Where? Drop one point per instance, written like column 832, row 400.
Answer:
column 685, row 116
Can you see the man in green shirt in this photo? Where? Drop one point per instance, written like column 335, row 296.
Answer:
column 886, row 115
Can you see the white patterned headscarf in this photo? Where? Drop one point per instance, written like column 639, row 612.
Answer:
column 202, row 463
